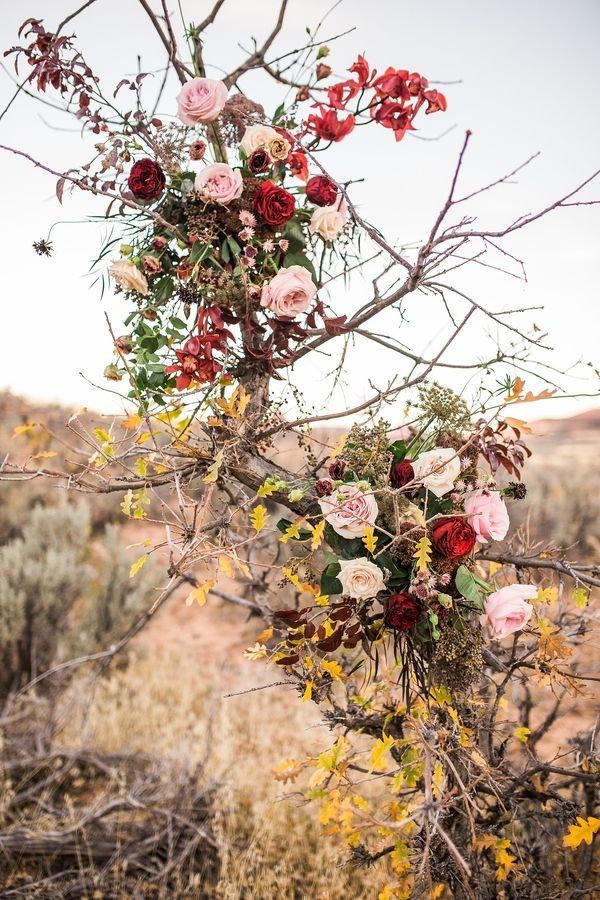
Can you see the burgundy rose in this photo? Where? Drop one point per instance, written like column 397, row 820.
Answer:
column 273, row 204
column 324, row 487
column 402, row 473
column 321, row 190
column 259, row 161
column 146, row 180
column 197, row 149
column 124, row 344
column 402, row 611
column 453, row 537
column 337, row 469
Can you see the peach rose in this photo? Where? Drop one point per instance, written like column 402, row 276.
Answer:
column 487, row 515
column 329, row 221
column 348, row 510
column 289, row 292
column 128, row 276
column 437, row 470
column 256, row 136
column 360, row 578
column 201, row 100
column 219, row 183
column 507, row 611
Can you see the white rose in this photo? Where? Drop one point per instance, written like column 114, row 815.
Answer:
column 348, row 510
column 128, row 276
column 360, row 578
column 328, row 221
column 256, row 136
column 437, row 469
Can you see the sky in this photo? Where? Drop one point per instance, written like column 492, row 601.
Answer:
column 528, row 76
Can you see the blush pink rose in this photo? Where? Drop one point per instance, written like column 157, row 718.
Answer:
column 289, row 292
column 219, row 183
column 507, row 611
column 201, row 100
column 487, row 515
column 349, row 510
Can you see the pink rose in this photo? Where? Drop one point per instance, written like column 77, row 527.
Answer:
column 219, row 183
column 506, row 610
column 349, row 510
column 201, row 100
column 289, row 292
column 487, row 514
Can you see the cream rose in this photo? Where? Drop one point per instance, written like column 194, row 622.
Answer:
column 128, row 276
column 219, row 183
column 256, row 136
column 360, row 578
column 201, row 100
column 289, row 292
column 507, row 611
column 348, row 510
column 329, row 221
column 437, row 469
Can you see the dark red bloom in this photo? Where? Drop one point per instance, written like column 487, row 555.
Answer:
column 328, row 127
column 402, row 473
column 436, row 102
column 273, row 204
column 337, row 469
column 402, row 611
column 339, row 95
column 416, row 83
column 392, row 84
column 298, row 164
column 453, row 537
column 259, row 161
column 321, row 190
column 324, row 487
column 146, row 180
column 395, row 116
column 195, row 361
column 323, row 71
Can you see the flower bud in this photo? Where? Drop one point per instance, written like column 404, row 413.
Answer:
column 112, row 373
column 324, row 487
column 124, row 344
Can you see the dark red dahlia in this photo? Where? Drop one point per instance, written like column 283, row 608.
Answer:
column 453, row 537
column 146, row 180
column 259, row 161
column 402, row 612
column 321, row 190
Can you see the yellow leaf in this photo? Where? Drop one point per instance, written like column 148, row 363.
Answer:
column 369, row 538
column 23, row 429
column 242, row 566
column 256, row 652
column 438, row 779
column 287, row 770
column 494, row 567
column 522, row 734
column 292, row 532
column 137, row 565
column 303, row 586
column 126, row 503
column 226, row 566
column 552, row 644
column 141, row 466
column 322, row 599
column 200, row 593
column 520, row 424
column 132, row 422
column 422, row 553
column 265, row 635
column 516, row 391
column 317, row 535
column 339, row 446
column 584, row 831
column 258, row 517
column 45, row 454
column 307, row 695
column 546, row 595
column 212, row 473
column 382, row 746
column 266, row 489
column 580, row 597
column 333, row 667
column 144, row 436
column 102, row 435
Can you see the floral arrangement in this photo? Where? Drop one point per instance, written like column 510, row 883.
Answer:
column 386, row 600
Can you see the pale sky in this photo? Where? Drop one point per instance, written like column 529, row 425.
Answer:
column 529, row 76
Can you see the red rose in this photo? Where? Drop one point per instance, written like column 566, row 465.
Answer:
column 274, row 205
column 259, row 161
column 329, row 127
column 402, row 473
column 402, row 611
column 321, row 190
column 146, row 180
column 337, row 469
column 453, row 537
column 324, row 487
